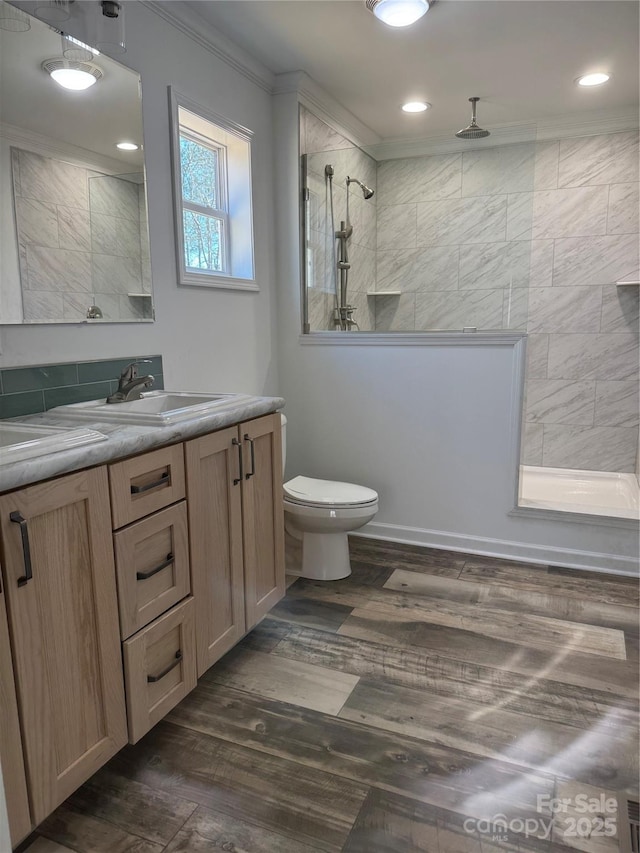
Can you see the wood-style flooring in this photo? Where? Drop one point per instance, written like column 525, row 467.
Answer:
column 433, row 702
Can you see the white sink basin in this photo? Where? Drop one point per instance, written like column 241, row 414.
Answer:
column 24, row 441
column 155, row 408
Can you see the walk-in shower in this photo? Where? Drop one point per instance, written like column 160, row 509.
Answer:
column 343, row 314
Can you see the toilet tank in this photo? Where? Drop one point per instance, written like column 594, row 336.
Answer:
column 283, row 419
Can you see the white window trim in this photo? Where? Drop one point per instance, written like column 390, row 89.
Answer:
column 239, row 260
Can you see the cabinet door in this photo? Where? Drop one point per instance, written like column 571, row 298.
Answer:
column 215, row 534
column 263, row 516
column 65, row 632
column 15, row 780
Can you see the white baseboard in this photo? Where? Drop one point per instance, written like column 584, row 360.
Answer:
column 522, row 551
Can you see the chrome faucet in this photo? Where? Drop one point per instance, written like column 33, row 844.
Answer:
column 130, row 385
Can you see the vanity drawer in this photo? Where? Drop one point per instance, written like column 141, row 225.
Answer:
column 144, row 484
column 159, row 668
column 152, row 564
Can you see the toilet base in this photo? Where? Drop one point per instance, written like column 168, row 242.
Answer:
column 325, row 556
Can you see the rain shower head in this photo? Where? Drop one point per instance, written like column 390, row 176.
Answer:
column 367, row 192
column 473, row 131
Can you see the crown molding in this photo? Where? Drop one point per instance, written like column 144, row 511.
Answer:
column 184, row 18
column 312, row 96
column 48, row 147
column 555, row 127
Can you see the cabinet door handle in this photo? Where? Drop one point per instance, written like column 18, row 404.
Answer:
column 240, row 476
column 253, row 456
column 17, row 518
column 138, row 490
column 142, row 576
column 151, row 679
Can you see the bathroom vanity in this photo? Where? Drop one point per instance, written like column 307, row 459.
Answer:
column 123, row 580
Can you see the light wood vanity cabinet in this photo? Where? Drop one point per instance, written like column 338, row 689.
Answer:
column 193, row 533
column 59, row 581
column 236, row 528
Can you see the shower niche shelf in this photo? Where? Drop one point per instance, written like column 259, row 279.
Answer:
column 384, row 292
column 627, row 283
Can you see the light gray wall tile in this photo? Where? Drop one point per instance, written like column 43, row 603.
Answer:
column 580, row 356
column 531, row 453
column 365, row 310
column 395, row 313
column 114, row 197
column 76, row 305
column 457, row 309
column 319, row 310
column 487, row 266
column 590, row 448
column 604, row 159
column 560, row 401
column 58, row 269
column 74, row 228
column 396, row 227
column 362, row 275
column 515, row 308
column 624, row 209
column 418, row 269
column 537, row 356
column 565, row 309
column 37, row 222
column 419, row 178
column 363, row 219
column 578, row 212
column 519, row 216
column 111, row 235
column 541, row 269
column 620, row 310
column 594, row 260
column 493, row 171
column 111, row 274
column 320, row 137
column 470, row 220
column 109, row 304
column 49, row 180
column 617, row 404
column 546, row 168
column 42, row 305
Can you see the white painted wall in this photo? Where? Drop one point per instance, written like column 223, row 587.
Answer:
column 210, row 339
column 430, row 428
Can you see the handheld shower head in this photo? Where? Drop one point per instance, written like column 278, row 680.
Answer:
column 472, row 131
column 367, row 192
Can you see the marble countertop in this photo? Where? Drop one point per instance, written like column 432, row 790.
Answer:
column 123, row 440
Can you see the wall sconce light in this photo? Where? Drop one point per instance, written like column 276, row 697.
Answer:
column 398, row 13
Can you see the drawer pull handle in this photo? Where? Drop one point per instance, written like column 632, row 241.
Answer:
column 240, row 476
column 151, row 679
column 17, row 518
column 142, row 576
column 253, row 456
column 138, row 490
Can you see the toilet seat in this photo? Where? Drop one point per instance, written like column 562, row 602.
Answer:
column 311, row 492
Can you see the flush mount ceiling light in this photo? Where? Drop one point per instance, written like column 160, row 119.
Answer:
column 596, row 79
column 127, row 146
column 415, row 107
column 72, row 74
column 398, row 13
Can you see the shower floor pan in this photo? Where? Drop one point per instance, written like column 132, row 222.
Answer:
column 589, row 492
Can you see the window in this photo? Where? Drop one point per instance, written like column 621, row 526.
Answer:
column 211, row 159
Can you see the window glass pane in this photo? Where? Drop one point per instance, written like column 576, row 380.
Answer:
column 199, row 166
column 202, row 241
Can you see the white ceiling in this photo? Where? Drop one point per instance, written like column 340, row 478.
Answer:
column 520, row 57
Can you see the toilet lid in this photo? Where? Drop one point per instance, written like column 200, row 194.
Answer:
column 307, row 490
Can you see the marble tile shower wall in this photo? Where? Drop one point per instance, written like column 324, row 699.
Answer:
column 324, row 146
column 79, row 240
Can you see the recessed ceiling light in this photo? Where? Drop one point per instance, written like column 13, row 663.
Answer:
column 593, row 79
column 415, row 107
column 398, row 13
column 127, row 146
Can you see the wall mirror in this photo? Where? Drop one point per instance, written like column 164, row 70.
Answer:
column 74, row 243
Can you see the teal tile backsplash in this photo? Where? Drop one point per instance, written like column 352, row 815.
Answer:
column 29, row 390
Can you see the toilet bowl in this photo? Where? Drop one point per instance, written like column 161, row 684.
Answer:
column 321, row 513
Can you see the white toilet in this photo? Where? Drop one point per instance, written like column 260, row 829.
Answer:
column 321, row 513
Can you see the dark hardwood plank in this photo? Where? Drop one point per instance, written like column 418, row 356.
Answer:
column 87, row 834
column 285, row 797
column 307, row 611
column 573, row 668
column 600, row 756
column 604, row 588
column 207, row 830
column 395, row 555
column 389, row 823
column 447, row 676
column 425, row 771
